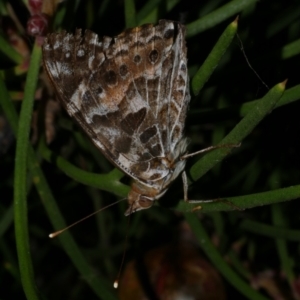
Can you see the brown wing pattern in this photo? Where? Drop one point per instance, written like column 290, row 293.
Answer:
column 128, row 93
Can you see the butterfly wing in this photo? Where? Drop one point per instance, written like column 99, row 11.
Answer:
column 128, row 93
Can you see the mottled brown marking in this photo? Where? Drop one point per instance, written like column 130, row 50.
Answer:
column 105, row 120
column 123, row 144
column 99, row 90
column 80, row 117
column 173, row 110
column 94, row 84
column 152, row 84
column 183, row 67
column 138, row 44
column 169, row 34
column 87, row 99
column 155, row 176
column 177, row 95
column 110, row 77
column 137, row 59
column 131, row 91
column 166, row 84
column 155, row 38
column 182, row 115
column 122, row 52
column 156, row 150
column 165, row 139
column 148, row 134
column 176, row 133
column 180, row 82
column 145, row 30
column 163, row 113
column 152, row 97
column 153, row 56
column 145, row 156
column 133, row 120
column 140, row 167
column 123, row 70
column 140, row 84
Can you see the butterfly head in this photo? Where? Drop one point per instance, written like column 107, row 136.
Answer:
column 141, row 197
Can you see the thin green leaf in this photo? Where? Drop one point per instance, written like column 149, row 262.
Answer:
column 108, row 182
column 291, row 50
column 291, row 95
column 130, row 14
column 20, row 201
column 217, row 16
column 211, row 62
column 241, row 130
column 243, row 202
column 9, row 51
column 147, row 10
column 270, row 231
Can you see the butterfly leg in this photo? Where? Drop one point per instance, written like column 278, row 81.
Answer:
column 209, row 149
column 185, row 191
column 186, row 199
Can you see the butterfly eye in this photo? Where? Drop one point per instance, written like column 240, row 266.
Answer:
column 145, row 202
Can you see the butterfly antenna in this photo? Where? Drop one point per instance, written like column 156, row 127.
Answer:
column 56, row 233
column 116, row 282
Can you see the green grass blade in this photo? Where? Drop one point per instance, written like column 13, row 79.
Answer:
column 241, row 130
column 108, row 182
column 146, row 10
column 130, row 14
column 214, row 57
column 9, row 51
column 217, row 16
column 271, row 231
column 247, row 201
column 20, row 201
column 290, row 50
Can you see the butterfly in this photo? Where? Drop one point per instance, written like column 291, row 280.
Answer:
column 130, row 95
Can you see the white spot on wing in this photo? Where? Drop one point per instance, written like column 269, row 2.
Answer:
column 76, row 97
column 46, row 47
column 56, row 45
column 125, row 162
column 80, row 53
column 98, row 144
column 52, row 68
